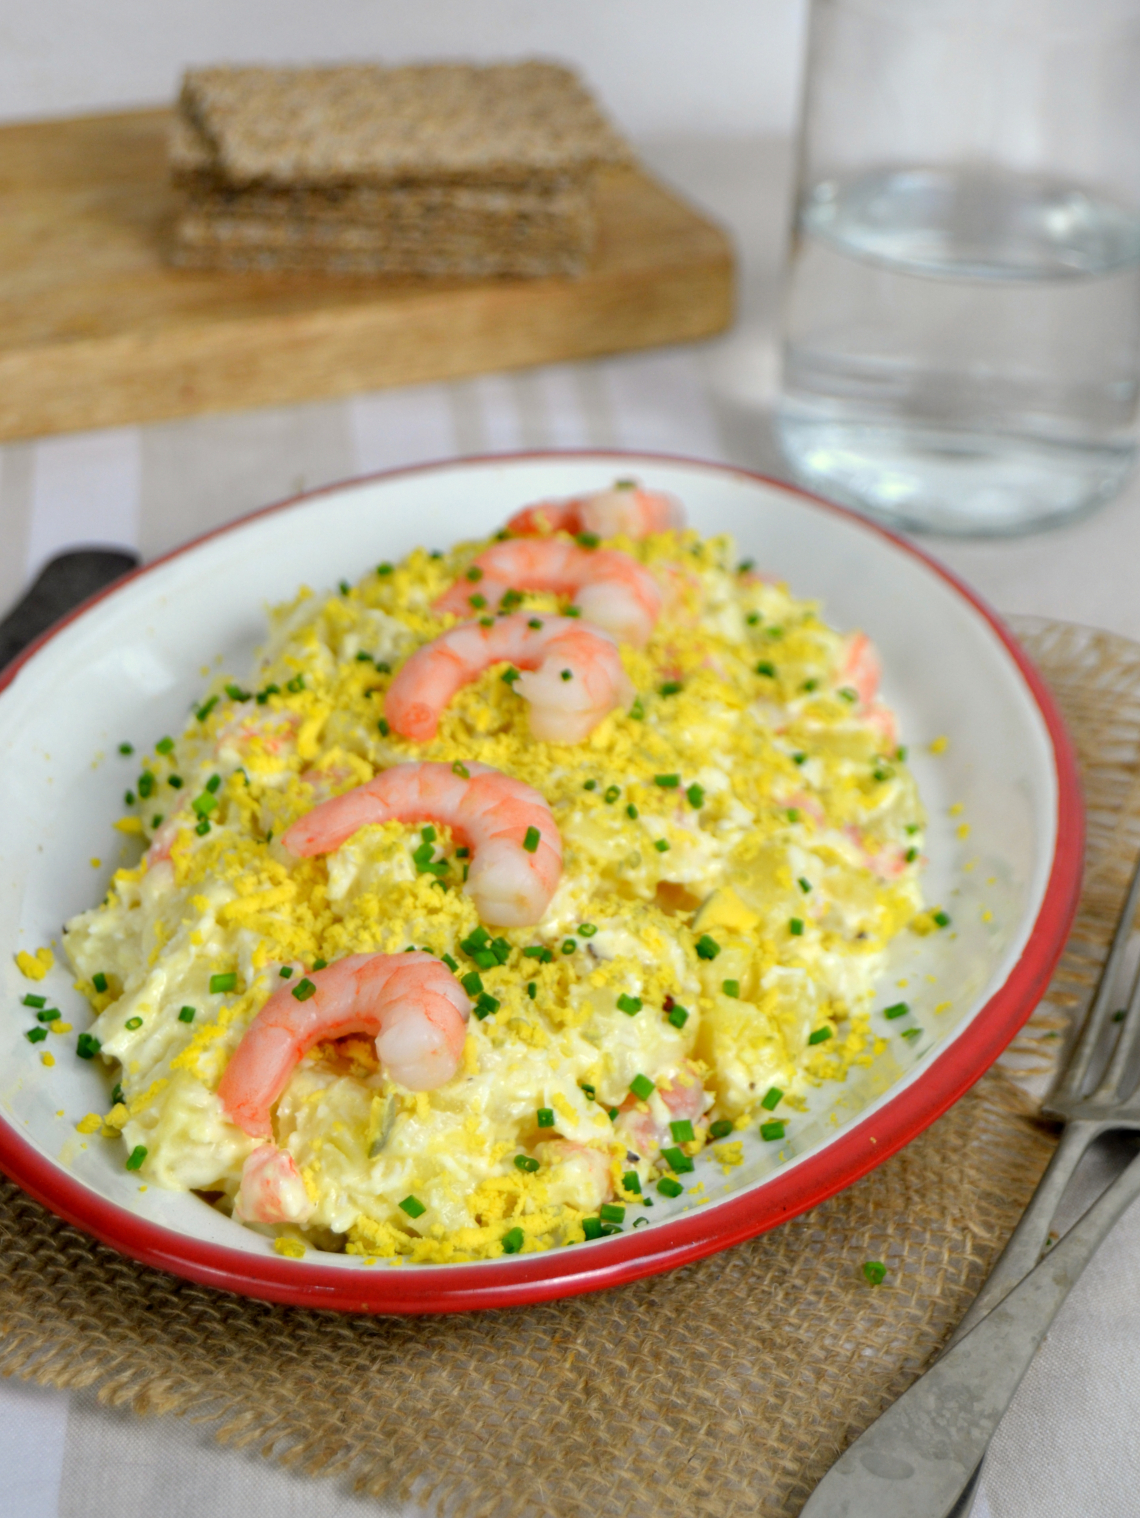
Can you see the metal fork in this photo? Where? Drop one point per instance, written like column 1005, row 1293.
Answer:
column 923, row 1457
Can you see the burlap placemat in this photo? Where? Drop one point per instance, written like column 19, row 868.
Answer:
column 724, row 1388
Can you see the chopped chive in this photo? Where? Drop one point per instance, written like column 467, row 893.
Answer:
column 512, row 1241
column 799, row 758
column 670, row 688
column 772, row 1098
column 39, row 1001
column 204, row 827
column 126, row 748
column 696, row 796
column 384, row 569
column 213, row 783
column 847, row 693
column 631, row 1181
column 220, row 984
column 678, row 1015
column 132, row 1023
column 820, row 1036
column 804, row 884
column 385, row 730
column 536, row 951
column 611, row 1212
column 586, row 930
column 810, row 685
column 569, row 945
column 472, row 982
column 175, row 781
column 136, row 1157
column 477, row 601
column 900, row 1009
column 87, row 1046
column 204, row 804
column 474, row 574
column 911, row 855
column 721, row 1128
column 587, row 1090
column 731, row 988
column 486, row 621
column 632, row 812
column 629, row 1004
column 667, row 782
column 186, row 1014
column 460, row 769
column 206, row 708
column 146, row 784
column 531, row 841
column 900, row 753
column 752, row 618
column 637, row 711
column 587, row 539
column 745, row 566
column 707, row 948
column 642, row 1087
column 302, row 990
column 612, row 793
column 485, row 1004
column 164, row 745
column 590, row 785
column 682, row 1131
column 765, row 668
column 535, row 623
column 526, row 1163
column 35, row 1035
column 510, row 675
column 940, row 918
column 117, row 1093
column 451, row 964
column 796, row 927
column 412, row 1206
column 572, row 611
column 49, row 1015
column 532, row 989
column 592, row 1228
column 792, row 814
column 235, row 692
column 428, row 834
column 462, row 853
column 295, row 685
column 772, row 1131
column 909, row 1033
column 677, row 1160
column 912, row 828
column 669, row 1187
column 545, row 1117
column 661, row 845
column 874, row 1272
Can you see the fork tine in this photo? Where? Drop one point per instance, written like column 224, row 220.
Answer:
column 1078, row 1067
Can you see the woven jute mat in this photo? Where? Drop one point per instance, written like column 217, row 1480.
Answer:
column 727, row 1387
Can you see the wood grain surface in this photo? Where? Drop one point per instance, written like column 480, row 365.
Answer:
column 97, row 330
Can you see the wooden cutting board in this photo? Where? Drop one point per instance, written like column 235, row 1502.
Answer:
column 96, row 330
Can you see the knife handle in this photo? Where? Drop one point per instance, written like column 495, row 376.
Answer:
column 916, row 1460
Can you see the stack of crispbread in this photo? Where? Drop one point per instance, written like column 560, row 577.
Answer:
column 442, row 169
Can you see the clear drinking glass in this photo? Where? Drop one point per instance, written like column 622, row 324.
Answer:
column 962, row 316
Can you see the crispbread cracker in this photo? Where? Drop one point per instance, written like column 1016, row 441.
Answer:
column 363, row 124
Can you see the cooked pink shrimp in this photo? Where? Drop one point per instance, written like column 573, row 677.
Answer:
column 642, row 1132
column 272, row 1190
column 591, row 1167
column 886, row 863
column 860, row 669
column 625, row 508
column 516, row 849
column 411, row 1004
column 578, row 675
column 612, row 589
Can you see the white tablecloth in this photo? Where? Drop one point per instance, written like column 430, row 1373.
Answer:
column 1070, row 1446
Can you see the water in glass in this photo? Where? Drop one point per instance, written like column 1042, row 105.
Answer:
column 962, row 346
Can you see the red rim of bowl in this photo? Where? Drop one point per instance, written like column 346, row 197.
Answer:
column 865, row 1143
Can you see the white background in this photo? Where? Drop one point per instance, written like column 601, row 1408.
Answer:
column 711, row 66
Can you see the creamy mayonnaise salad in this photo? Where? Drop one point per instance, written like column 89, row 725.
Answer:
column 739, row 840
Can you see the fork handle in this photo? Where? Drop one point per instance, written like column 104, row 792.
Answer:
column 1027, row 1242
column 915, row 1460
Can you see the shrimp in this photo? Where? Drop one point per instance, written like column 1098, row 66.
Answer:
column 516, row 849
column 625, row 508
column 642, row 1130
column 861, row 670
column 612, row 589
column 578, row 675
column 410, row 1003
column 272, row 1189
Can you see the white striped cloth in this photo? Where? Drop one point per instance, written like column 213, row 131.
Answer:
column 1070, row 1446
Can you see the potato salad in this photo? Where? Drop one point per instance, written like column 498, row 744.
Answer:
column 511, row 878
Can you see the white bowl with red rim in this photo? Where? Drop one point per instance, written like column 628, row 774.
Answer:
column 128, row 666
